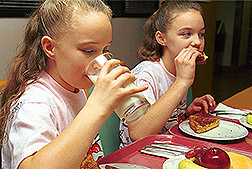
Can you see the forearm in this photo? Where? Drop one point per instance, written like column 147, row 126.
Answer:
column 71, row 146
column 159, row 113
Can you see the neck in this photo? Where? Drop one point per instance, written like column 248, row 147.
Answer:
column 169, row 63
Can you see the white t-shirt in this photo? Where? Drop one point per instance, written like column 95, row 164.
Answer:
column 42, row 113
column 159, row 80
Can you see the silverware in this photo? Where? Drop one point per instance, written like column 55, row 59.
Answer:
column 158, row 152
column 223, row 112
column 172, row 147
column 164, row 150
column 216, row 111
column 175, row 152
column 238, row 114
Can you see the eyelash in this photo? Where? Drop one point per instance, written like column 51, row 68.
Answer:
column 88, row 51
column 91, row 51
column 186, row 34
column 201, row 34
column 189, row 34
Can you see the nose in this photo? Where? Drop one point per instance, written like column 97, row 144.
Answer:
column 196, row 41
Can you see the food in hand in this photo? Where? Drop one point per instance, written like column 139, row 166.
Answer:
column 189, row 164
column 239, row 161
column 202, row 59
column 201, row 124
column 215, row 158
column 249, row 118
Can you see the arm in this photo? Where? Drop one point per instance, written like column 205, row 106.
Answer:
column 69, row 148
column 161, row 110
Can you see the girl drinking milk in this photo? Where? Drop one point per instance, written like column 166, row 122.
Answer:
column 47, row 119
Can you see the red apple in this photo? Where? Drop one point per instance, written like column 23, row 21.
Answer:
column 215, row 158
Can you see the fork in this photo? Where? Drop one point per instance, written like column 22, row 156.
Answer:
column 223, row 112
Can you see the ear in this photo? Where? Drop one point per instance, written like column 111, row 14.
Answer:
column 160, row 38
column 48, row 46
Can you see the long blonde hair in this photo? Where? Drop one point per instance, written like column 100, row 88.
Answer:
column 52, row 18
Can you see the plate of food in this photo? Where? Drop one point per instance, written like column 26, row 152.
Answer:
column 244, row 121
column 202, row 158
column 121, row 166
column 212, row 128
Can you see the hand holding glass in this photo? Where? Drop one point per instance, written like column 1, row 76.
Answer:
column 133, row 107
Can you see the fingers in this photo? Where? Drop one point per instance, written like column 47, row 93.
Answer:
column 210, row 100
column 205, row 102
column 119, row 76
column 108, row 66
column 188, row 55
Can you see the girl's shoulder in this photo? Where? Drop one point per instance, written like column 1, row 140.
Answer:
column 147, row 66
column 36, row 93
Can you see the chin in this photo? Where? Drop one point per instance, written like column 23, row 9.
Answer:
column 88, row 84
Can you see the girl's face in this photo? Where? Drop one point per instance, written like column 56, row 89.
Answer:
column 90, row 37
column 187, row 29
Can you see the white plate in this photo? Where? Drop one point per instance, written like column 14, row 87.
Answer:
column 124, row 166
column 172, row 163
column 225, row 131
column 244, row 122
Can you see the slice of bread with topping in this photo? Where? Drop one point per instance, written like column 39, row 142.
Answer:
column 201, row 124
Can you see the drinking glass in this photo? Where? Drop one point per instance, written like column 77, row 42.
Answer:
column 134, row 106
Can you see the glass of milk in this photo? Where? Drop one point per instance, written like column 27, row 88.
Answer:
column 134, row 106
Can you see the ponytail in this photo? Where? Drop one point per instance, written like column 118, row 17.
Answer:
column 52, row 18
column 161, row 20
column 150, row 48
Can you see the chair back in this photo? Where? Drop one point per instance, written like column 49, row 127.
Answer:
column 189, row 96
column 109, row 133
column 2, row 86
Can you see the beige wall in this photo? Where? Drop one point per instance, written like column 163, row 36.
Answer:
column 127, row 36
column 11, row 35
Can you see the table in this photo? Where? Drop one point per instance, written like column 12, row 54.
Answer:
column 242, row 100
column 244, row 144
column 131, row 154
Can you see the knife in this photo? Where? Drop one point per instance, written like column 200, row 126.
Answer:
column 158, row 152
column 172, row 147
column 159, row 148
column 164, row 150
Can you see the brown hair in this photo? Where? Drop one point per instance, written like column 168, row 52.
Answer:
column 52, row 18
column 150, row 49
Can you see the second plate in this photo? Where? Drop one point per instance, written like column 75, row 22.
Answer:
column 225, row 131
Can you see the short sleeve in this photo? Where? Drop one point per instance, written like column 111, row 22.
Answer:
column 146, row 77
column 33, row 126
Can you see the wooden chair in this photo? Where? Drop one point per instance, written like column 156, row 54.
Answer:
column 2, row 85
